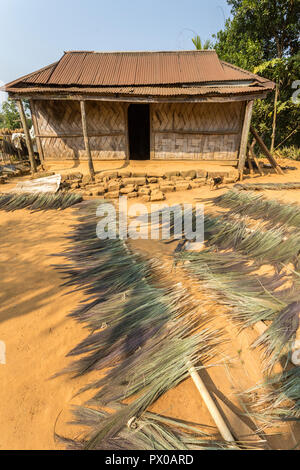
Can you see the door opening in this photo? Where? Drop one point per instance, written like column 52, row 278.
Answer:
column 139, row 131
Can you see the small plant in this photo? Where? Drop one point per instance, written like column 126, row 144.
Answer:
column 292, row 152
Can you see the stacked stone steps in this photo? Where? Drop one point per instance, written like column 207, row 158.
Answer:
column 149, row 185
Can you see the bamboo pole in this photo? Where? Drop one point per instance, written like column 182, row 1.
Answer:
column 86, row 139
column 254, row 157
column 265, row 150
column 27, row 136
column 244, row 138
column 36, row 131
column 212, row 408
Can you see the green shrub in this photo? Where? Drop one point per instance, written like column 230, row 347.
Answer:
column 292, row 152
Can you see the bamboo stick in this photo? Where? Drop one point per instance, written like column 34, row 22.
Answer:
column 264, row 149
column 209, row 402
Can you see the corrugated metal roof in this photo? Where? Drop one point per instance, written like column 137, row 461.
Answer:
column 134, row 69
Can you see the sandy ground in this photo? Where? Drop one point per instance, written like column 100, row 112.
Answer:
column 38, row 334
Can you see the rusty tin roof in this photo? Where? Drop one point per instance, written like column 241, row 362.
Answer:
column 151, row 73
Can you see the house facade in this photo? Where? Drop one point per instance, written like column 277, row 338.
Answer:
column 181, row 105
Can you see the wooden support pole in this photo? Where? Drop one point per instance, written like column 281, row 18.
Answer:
column 244, row 138
column 27, row 136
column 254, row 158
column 265, row 150
column 86, row 139
column 250, row 163
column 36, row 132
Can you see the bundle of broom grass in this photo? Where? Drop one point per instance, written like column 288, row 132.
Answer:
column 233, row 276
column 147, row 336
column 38, row 201
column 257, row 207
column 265, row 186
column 266, row 246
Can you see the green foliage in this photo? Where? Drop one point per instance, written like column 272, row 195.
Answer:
column 284, row 71
column 262, row 36
column 199, row 45
column 292, row 152
column 10, row 117
column 240, row 50
column 274, row 24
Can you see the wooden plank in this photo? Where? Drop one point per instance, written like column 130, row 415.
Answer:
column 244, row 137
column 86, row 139
column 139, row 99
column 27, row 136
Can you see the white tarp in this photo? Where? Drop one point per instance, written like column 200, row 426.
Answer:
column 48, row 184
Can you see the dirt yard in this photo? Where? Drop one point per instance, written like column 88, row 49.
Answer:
column 38, row 333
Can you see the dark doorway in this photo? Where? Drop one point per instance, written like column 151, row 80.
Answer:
column 139, row 131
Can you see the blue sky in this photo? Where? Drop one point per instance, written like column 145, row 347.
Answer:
column 35, row 32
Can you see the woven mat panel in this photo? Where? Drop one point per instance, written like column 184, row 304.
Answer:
column 105, row 117
column 68, row 148
column 172, row 146
column 58, row 117
column 197, row 116
column 108, row 147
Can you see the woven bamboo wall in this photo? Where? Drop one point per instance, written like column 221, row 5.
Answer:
column 196, row 131
column 60, row 128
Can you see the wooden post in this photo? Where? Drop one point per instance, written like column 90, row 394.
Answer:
column 27, row 135
column 244, row 137
column 252, row 154
column 36, row 131
column 86, row 139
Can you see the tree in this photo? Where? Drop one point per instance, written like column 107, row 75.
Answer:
column 263, row 36
column 9, row 115
column 274, row 23
column 282, row 113
column 199, row 45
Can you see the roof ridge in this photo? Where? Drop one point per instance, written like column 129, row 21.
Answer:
column 140, row 52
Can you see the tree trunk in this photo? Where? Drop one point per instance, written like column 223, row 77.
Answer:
column 274, row 119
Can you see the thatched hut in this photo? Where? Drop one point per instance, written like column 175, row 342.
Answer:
column 181, row 105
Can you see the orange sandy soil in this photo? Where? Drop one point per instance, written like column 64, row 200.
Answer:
column 38, row 334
